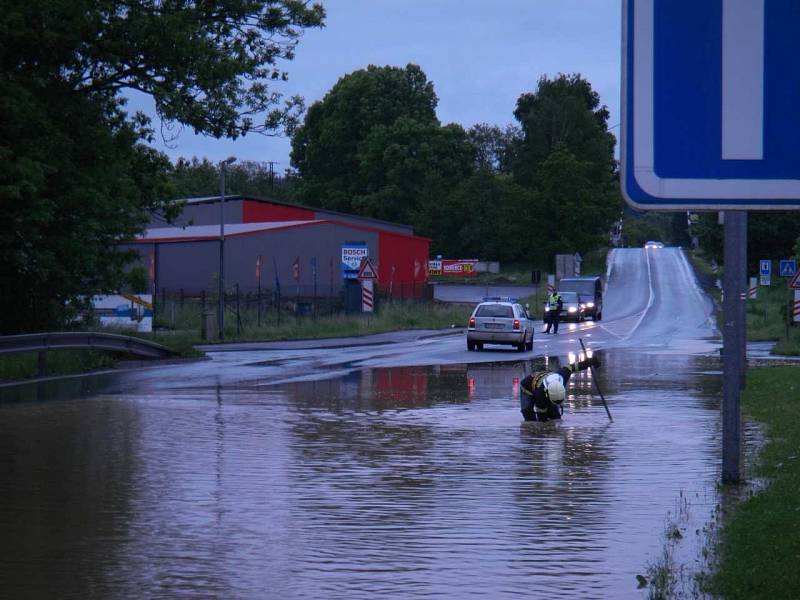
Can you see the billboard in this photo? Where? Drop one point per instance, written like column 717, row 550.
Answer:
column 453, row 267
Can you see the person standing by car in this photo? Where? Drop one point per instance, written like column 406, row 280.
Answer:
column 543, row 392
column 555, row 304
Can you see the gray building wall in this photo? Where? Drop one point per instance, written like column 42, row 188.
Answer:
column 193, row 265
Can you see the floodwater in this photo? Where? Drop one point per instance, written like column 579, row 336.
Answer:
column 413, row 482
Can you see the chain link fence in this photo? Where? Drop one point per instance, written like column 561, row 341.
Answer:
column 256, row 308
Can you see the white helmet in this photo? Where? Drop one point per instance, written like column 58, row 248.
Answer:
column 554, row 386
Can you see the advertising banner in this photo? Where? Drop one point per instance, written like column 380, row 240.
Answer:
column 352, row 255
column 453, row 267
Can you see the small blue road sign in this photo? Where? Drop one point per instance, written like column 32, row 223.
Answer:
column 765, row 267
column 706, row 123
column 788, row 268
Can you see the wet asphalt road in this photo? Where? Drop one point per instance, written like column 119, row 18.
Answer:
column 395, row 470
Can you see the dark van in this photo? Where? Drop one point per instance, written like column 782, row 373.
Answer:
column 590, row 293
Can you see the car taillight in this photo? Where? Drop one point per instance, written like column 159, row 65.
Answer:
column 516, row 324
column 472, row 322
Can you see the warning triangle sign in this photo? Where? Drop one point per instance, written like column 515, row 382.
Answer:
column 794, row 284
column 367, row 270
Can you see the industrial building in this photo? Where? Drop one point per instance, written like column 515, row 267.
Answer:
column 269, row 244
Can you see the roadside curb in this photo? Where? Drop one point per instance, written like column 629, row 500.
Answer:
column 443, row 333
column 326, row 343
column 121, row 367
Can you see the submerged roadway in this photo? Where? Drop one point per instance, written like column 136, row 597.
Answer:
column 394, row 466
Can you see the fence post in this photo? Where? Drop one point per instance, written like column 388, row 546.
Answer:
column 181, row 298
column 238, row 313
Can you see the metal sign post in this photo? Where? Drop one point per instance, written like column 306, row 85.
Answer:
column 734, row 335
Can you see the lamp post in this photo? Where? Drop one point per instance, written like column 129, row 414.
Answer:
column 221, row 314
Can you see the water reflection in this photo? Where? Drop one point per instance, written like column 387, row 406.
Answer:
column 407, row 482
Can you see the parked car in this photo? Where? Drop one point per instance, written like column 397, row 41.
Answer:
column 500, row 321
column 590, row 294
column 653, row 244
column 572, row 310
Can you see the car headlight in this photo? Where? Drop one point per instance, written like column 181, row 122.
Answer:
column 572, row 309
column 546, row 309
column 590, row 304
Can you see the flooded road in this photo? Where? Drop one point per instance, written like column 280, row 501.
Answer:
column 385, row 469
column 413, row 482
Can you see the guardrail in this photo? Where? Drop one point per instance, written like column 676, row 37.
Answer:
column 41, row 342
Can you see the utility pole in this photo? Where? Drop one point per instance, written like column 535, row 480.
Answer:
column 221, row 307
column 271, row 164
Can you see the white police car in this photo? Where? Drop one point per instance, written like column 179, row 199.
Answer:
column 500, row 321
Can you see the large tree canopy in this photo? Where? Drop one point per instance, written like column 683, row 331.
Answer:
column 75, row 177
column 341, row 131
column 564, row 113
column 567, row 157
column 204, row 63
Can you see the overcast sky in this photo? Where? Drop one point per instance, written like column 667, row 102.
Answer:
column 479, row 54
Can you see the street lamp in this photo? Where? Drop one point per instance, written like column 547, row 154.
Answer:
column 221, row 315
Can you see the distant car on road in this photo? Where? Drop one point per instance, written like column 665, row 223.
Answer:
column 653, row 244
column 500, row 321
column 573, row 309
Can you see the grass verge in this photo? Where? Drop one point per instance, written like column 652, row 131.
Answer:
column 766, row 314
column 59, row 362
column 759, row 547
column 392, row 317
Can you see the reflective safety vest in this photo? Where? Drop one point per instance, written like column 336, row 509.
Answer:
column 552, row 301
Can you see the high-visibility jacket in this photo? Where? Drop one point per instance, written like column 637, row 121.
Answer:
column 554, row 302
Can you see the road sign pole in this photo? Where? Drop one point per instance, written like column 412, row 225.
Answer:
column 741, row 277
column 733, row 342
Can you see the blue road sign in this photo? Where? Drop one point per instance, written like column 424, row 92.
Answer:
column 788, row 268
column 709, row 99
column 765, row 267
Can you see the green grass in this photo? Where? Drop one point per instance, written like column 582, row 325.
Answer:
column 58, row 362
column 391, row 317
column 766, row 314
column 759, row 550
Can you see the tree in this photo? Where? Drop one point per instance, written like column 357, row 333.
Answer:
column 76, row 177
column 198, row 177
column 407, row 164
column 770, row 235
column 567, row 157
column 564, row 112
column 496, row 147
column 327, row 148
column 575, row 213
column 484, row 216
